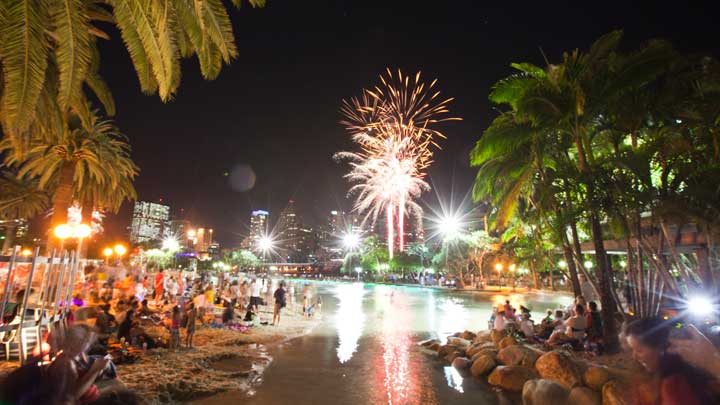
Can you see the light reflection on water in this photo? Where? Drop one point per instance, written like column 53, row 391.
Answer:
column 454, row 379
column 402, row 375
column 349, row 319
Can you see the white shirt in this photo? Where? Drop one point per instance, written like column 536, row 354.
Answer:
column 526, row 327
column 256, row 290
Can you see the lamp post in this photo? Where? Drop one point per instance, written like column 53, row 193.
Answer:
column 450, row 229
column 107, row 252
column 76, row 231
column 512, row 268
column 499, row 268
column 120, row 250
column 350, row 241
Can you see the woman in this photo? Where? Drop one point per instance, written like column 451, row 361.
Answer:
column 676, row 382
column 575, row 327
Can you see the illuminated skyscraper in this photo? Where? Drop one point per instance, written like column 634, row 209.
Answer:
column 258, row 228
column 149, row 221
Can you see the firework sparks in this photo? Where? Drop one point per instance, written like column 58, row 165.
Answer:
column 392, row 125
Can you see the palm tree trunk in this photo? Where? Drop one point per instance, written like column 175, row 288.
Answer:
column 605, row 281
column 567, row 252
column 9, row 238
column 61, row 202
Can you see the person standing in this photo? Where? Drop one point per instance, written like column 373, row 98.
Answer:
column 159, row 286
column 190, row 327
column 255, row 300
column 279, row 303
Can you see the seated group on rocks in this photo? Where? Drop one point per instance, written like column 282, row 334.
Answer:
column 579, row 325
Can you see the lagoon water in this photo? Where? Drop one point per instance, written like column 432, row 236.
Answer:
column 365, row 351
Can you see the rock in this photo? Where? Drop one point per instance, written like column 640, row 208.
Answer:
column 595, row 377
column 477, row 347
column 518, row 355
column 444, row 350
column 452, row 356
column 485, row 352
column 467, row 335
column 560, row 367
column 496, row 335
column 543, row 392
column 511, row 378
column 584, row 396
column 429, row 342
column 614, row 393
column 435, row 346
column 461, row 363
column 482, row 337
column 482, row 365
column 458, row 342
column 473, row 349
column 506, row 342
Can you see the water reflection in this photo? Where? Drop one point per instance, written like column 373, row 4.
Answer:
column 453, row 377
column 453, row 315
column 349, row 319
column 403, row 377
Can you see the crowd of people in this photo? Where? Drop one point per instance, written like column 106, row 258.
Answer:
column 117, row 313
column 578, row 325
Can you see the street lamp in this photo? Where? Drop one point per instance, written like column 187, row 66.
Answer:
column 107, row 252
column 562, row 264
column 588, row 264
column 120, row 250
column 450, row 227
column 77, row 231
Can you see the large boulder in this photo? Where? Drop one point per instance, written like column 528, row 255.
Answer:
column 458, row 342
column 467, row 335
column 497, row 335
column 434, row 346
column 506, row 342
column 596, row 376
column 482, row 336
column 477, row 347
column 511, row 378
column 428, row 343
column 614, row 393
column 560, row 367
column 461, row 363
column 482, row 365
column 518, row 355
column 544, row 392
column 584, row 396
column 485, row 352
column 444, row 350
column 452, row 356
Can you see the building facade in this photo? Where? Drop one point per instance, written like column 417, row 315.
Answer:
column 149, row 222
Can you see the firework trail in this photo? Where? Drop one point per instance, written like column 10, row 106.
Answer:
column 392, row 125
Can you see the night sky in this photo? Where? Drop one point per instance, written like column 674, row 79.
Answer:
column 275, row 108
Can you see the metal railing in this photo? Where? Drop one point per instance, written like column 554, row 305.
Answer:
column 36, row 296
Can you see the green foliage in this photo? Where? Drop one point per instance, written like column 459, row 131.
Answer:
column 242, row 258
column 55, row 42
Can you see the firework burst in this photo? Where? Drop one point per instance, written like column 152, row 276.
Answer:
column 392, row 124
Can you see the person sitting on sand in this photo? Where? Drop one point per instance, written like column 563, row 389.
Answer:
column 575, row 327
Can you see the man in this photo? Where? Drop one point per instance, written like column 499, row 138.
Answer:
column 279, row 303
column 159, row 286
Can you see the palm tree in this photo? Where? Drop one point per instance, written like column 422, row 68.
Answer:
column 20, row 198
column 89, row 161
column 48, row 49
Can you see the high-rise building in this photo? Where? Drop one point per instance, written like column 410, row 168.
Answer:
column 149, row 222
column 258, row 229
column 289, row 235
